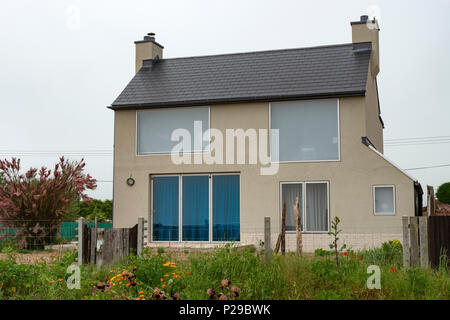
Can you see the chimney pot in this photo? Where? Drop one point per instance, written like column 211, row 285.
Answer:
column 150, row 36
column 364, row 18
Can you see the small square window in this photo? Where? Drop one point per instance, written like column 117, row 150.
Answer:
column 384, row 200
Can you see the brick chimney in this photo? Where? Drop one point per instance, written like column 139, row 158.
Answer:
column 366, row 30
column 147, row 49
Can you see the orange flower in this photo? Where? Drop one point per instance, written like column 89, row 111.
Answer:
column 161, row 279
column 164, row 285
column 166, row 275
column 141, row 292
column 60, row 279
column 128, row 284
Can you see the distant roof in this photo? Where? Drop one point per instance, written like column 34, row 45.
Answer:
column 325, row 71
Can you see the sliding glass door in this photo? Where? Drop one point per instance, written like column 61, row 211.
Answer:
column 226, row 213
column 165, row 208
column 199, row 207
column 195, row 208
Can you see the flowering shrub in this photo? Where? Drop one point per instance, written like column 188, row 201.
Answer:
column 34, row 202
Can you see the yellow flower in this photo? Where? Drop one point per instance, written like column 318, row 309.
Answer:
column 51, row 281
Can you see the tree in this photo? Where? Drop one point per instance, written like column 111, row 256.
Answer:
column 34, row 203
column 95, row 208
column 443, row 193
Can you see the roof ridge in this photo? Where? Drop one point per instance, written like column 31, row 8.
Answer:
column 260, row 51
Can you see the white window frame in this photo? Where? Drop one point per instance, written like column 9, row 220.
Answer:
column 168, row 153
column 300, row 161
column 180, row 206
column 393, row 197
column 304, row 183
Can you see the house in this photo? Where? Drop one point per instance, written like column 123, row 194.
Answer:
column 205, row 147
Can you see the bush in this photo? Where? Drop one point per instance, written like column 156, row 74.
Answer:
column 390, row 253
column 443, row 193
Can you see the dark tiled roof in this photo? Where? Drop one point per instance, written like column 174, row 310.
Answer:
column 338, row 70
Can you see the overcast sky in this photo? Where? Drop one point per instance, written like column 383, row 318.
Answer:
column 62, row 62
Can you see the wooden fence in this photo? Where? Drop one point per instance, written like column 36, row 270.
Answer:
column 439, row 238
column 100, row 246
column 425, row 239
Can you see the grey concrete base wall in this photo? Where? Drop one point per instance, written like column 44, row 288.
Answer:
column 311, row 242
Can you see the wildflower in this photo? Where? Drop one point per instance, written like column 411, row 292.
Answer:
column 235, row 291
column 141, row 292
column 164, row 285
column 51, row 281
column 166, row 275
column 176, row 296
column 128, row 284
column 211, row 293
column 345, row 253
column 225, row 282
column 111, row 270
column 161, row 279
column 222, row 296
column 393, row 270
column 354, row 255
column 360, row 258
column 60, row 279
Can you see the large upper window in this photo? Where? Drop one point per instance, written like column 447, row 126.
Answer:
column 155, row 127
column 313, row 205
column 308, row 130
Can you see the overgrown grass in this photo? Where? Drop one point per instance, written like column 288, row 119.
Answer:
column 288, row 277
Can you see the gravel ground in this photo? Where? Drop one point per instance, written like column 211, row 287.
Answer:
column 37, row 256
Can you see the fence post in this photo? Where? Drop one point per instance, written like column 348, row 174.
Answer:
column 267, row 242
column 283, row 230
column 80, row 240
column 423, row 234
column 406, row 246
column 140, row 235
column 414, row 240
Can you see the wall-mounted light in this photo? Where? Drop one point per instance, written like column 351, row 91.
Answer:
column 130, row 181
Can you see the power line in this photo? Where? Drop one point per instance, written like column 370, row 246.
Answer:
column 419, row 138
column 417, row 141
column 430, row 167
column 56, row 152
column 414, row 143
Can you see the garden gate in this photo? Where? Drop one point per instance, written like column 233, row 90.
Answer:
column 100, row 246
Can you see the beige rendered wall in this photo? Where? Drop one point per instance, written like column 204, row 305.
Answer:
column 374, row 127
column 350, row 180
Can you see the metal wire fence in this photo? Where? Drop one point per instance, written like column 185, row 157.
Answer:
column 37, row 234
column 355, row 236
